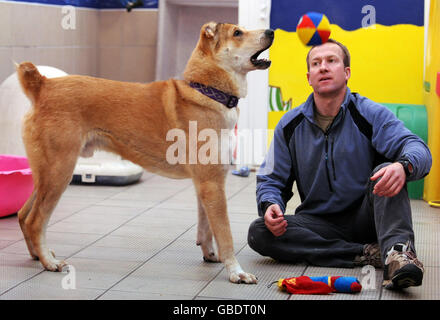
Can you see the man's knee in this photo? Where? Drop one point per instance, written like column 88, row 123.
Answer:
column 380, row 166
column 371, row 183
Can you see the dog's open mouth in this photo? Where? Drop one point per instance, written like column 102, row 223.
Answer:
column 260, row 63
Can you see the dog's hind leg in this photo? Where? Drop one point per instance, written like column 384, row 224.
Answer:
column 52, row 158
column 204, row 235
column 50, row 185
column 213, row 198
column 22, row 214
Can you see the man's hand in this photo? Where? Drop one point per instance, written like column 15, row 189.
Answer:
column 392, row 180
column 274, row 220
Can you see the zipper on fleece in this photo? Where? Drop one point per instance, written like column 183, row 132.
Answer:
column 326, row 162
column 333, row 159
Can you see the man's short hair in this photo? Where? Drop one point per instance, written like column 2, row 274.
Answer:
column 344, row 50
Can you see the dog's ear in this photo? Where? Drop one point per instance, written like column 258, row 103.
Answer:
column 210, row 29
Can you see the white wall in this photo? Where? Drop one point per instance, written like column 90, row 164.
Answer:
column 179, row 28
column 254, row 14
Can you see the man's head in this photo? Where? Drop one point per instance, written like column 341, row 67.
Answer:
column 328, row 67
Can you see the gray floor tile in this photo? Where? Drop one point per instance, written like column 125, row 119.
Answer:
column 142, row 204
column 74, row 204
column 98, row 273
column 110, row 211
column 116, row 254
column 91, row 191
column 141, row 231
column 80, row 227
column 421, row 211
column 426, row 232
column 163, row 285
column 428, row 254
column 58, row 216
column 152, row 194
column 61, row 250
column 177, row 204
column 131, row 242
column 9, row 222
column 10, row 234
column 63, row 243
column 171, row 265
column 152, row 221
column 99, row 219
column 139, row 295
column 49, row 286
column 5, row 243
column 14, row 269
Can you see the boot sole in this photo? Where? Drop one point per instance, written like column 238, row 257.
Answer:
column 408, row 276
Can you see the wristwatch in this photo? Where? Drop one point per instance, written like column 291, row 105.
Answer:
column 407, row 166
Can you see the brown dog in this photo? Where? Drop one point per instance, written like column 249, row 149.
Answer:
column 74, row 115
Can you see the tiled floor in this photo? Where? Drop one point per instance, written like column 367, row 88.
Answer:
column 138, row 242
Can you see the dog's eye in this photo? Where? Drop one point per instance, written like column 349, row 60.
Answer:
column 237, row 33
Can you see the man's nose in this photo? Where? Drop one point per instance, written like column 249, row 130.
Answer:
column 323, row 66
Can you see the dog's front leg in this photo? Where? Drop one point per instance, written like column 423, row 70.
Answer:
column 213, row 199
column 204, row 235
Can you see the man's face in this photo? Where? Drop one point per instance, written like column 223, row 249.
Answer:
column 327, row 74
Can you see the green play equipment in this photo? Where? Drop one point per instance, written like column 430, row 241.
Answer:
column 415, row 119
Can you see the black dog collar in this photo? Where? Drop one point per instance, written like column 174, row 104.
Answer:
column 228, row 100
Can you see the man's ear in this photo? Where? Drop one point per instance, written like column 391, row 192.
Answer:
column 210, row 29
column 347, row 73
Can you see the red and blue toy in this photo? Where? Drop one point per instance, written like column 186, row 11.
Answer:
column 320, row 285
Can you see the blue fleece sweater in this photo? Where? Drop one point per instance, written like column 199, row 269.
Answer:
column 332, row 168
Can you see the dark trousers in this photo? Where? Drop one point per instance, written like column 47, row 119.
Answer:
column 334, row 240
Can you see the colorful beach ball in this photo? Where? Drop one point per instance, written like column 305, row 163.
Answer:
column 313, row 29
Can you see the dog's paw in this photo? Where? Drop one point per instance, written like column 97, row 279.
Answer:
column 212, row 257
column 52, row 264
column 208, row 251
column 56, row 265
column 242, row 277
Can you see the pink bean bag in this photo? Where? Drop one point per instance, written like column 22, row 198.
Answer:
column 16, row 183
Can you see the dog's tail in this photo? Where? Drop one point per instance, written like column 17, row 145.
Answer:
column 30, row 80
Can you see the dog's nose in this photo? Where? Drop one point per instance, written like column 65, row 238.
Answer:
column 269, row 33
